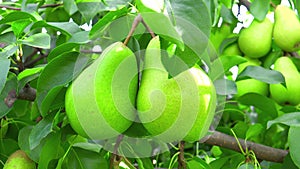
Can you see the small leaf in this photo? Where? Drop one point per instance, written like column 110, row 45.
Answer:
column 294, row 146
column 108, row 18
column 58, row 73
column 39, row 40
column 10, row 85
column 4, row 68
column 267, row 105
column 17, row 15
column 28, row 75
column 197, row 163
column 290, row 119
column 259, row 9
column 225, row 87
column 70, row 6
column 262, row 74
column 230, row 61
column 8, row 51
column 19, row 26
column 63, row 48
column 41, row 130
column 51, row 150
column 80, row 37
column 67, row 28
column 254, row 130
column 150, row 6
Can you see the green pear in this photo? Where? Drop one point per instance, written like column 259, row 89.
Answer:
column 286, row 31
column 100, row 101
column 250, row 85
column 256, row 40
column 177, row 108
column 232, row 49
column 19, row 160
column 291, row 93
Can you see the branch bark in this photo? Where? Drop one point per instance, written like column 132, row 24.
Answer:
column 262, row 152
column 18, row 9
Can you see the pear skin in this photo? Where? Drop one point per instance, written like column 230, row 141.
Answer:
column 178, row 108
column 256, row 40
column 100, row 101
column 286, row 31
column 290, row 94
column 19, row 160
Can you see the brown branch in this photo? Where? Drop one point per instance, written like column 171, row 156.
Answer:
column 27, row 93
column 10, row 7
column 245, row 3
column 262, row 152
column 181, row 160
column 32, row 62
column 148, row 28
column 135, row 23
column 50, row 5
column 115, row 158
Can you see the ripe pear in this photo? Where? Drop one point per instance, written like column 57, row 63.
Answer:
column 250, row 85
column 100, row 101
column 291, row 93
column 232, row 49
column 286, row 31
column 177, row 108
column 256, row 40
column 19, row 160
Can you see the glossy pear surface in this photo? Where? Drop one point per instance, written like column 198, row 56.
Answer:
column 286, row 29
column 178, row 108
column 232, row 49
column 256, row 40
column 291, row 93
column 19, row 160
column 100, row 101
column 250, row 85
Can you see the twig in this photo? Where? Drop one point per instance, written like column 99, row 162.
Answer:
column 148, row 28
column 10, row 7
column 32, row 62
column 50, row 5
column 295, row 54
column 135, row 23
column 115, row 157
column 246, row 3
column 181, row 160
column 261, row 151
column 27, row 93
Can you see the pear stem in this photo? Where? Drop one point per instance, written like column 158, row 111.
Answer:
column 181, row 160
column 138, row 19
column 115, row 158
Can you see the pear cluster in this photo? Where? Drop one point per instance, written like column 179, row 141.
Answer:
column 255, row 45
column 108, row 99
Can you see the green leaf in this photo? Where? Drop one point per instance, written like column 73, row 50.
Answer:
column 161, row 25
column 51, row 150
column 58, row 73
column 88, row 146
column 108, row 18
column 259, row 9
column 7, row 147
column 39, row 40
column 41, row 130
column 290, row 119
column 229, row 61
column 190, row 11
column 227, row 14
column 68, row 28
column 80, row 37
column 262, row 74
column 4, row 68
column 294, row 146
column 8, row 51
column 70, row 6
column 82, row 159
column 28, row 75
column 267, row 105
column 254, row 130
column 18, row 15
column 150, row 6
column 197, row 163
column 225, row 87
column 8, row 38
column 19, row 26
column 63, row 48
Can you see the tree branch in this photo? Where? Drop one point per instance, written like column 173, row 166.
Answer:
column 18, row 9
column 181, row 160
column 246, row 3
column 27, row 93
column 261, row 151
